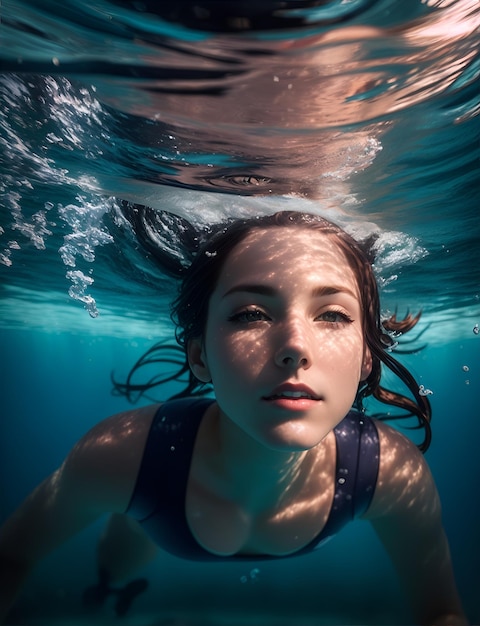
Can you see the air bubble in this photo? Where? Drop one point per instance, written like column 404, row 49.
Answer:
column 424, row 392
column 476, row 329
column 254, row 572
column 465, row 368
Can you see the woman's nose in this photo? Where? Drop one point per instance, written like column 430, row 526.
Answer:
column 294, row 349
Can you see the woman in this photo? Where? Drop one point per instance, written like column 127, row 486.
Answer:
column 280, row 316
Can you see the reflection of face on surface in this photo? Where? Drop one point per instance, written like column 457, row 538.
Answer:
column 266, row 125
column 286, row 309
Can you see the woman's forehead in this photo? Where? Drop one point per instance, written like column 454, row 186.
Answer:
column 280, row 243
column 285, row 250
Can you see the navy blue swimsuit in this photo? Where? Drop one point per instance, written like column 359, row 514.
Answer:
column 158, row 501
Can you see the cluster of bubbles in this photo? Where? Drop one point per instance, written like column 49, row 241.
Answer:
column 466, row 369
column 251, row 577
column 87, row 233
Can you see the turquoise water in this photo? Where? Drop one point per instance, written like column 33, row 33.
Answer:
column 365, row 112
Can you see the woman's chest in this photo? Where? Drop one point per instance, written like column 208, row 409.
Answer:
column 278, row 524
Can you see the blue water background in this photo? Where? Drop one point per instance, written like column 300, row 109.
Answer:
column 56, row 386
column 400, row 157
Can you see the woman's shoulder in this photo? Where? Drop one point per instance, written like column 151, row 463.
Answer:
column 394, row 442
column 108, row 457
column 119, row 432
column 404, row 478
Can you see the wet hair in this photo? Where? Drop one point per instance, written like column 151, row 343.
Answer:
column 197, row 270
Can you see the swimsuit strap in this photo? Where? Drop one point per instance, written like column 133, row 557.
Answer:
column 358, row 455
column 163, row 474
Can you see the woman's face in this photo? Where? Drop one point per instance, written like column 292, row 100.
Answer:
column 284, row 343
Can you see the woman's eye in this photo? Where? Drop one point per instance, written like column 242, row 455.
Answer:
column 335, row 317
column 248, row 316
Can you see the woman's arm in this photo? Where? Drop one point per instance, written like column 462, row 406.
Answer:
column 97, row 477
column 406, row 515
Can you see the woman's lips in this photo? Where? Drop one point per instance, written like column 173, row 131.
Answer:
column 292, row 391
column 291, row 404
column 293, row 397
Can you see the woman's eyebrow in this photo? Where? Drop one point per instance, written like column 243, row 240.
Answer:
column 267, row 290
column 264, row 290
column 331, row 290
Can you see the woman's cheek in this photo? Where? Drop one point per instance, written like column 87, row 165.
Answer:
column 248, row 350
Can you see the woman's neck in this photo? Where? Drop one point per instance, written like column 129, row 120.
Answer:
column 252, row 474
